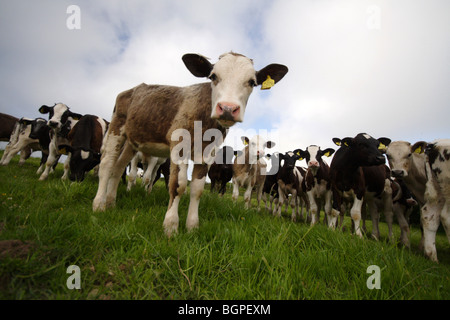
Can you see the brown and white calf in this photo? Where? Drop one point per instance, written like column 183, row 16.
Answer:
column 154, row 118
column 347, row 176
column 59, row 117
column 85, row 142
column 317, row 180
column 290, row 179
column 249, row 168
column 425, row 169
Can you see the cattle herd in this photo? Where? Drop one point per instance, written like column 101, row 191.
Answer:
column 146, row 119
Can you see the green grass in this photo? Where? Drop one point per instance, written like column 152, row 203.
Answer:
column 235, row 254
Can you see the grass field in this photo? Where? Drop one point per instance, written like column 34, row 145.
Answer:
column 235, row 254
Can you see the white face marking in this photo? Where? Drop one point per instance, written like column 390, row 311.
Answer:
column 84, row 154
column 257, row 144
column 313, row 151
column 58, row 111
column 231, row 86
column 367, row 136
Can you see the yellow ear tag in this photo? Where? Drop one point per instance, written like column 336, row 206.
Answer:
column 326, row 154
column 381, row 147
column 418, row 150
column 269, row 83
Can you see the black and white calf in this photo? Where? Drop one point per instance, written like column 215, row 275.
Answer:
column 28, row 135
column 317, row 181
column 59, row 115
column 270, row 189
column 85, row 139
column 221, row 171
column 347, row 177
column 290, row 179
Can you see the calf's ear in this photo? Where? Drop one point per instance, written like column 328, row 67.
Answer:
column 337, row 141
column 198, row 65
column 75, row 116
column 419, row 147
column 245, row 140
column 44, row 109
column 270, row 144
column 268, row 76
column 300, row 153
column 328, row 152
column 384, row 142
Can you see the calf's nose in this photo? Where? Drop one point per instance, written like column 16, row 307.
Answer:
column 313, row 163
column 227, row 111
column 53, row 124
column 398, row 173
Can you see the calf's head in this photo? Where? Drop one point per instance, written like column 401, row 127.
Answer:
column 400, row 155
column 81, row 161
column 290, row 158
column 58, row 115
column 256, row 147
column 38, row 126
column 313, row 156
column 233, row 78
column 363, row 149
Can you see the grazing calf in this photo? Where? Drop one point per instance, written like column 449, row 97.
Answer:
column 85, row 142
column 425, row 170
column 247, row 167
column 317, row 181
column 153, row 118
column 59, row 117
column 28, row 135
column 221, row 171
column 290, row 180
column 346, row 173
column 7, row 124
column 270, row 189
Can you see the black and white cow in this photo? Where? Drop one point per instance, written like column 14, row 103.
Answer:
column 28, row 135
column 59, row 115
column 317, row 181
column 221, row 171
column 290, row 179
column 85, row 139
column 425, row 169
column 270, row 189
column 347, row 176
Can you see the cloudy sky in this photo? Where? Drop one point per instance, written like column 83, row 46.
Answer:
column 381, row 67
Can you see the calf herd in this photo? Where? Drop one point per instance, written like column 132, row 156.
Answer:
column 148, row 122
